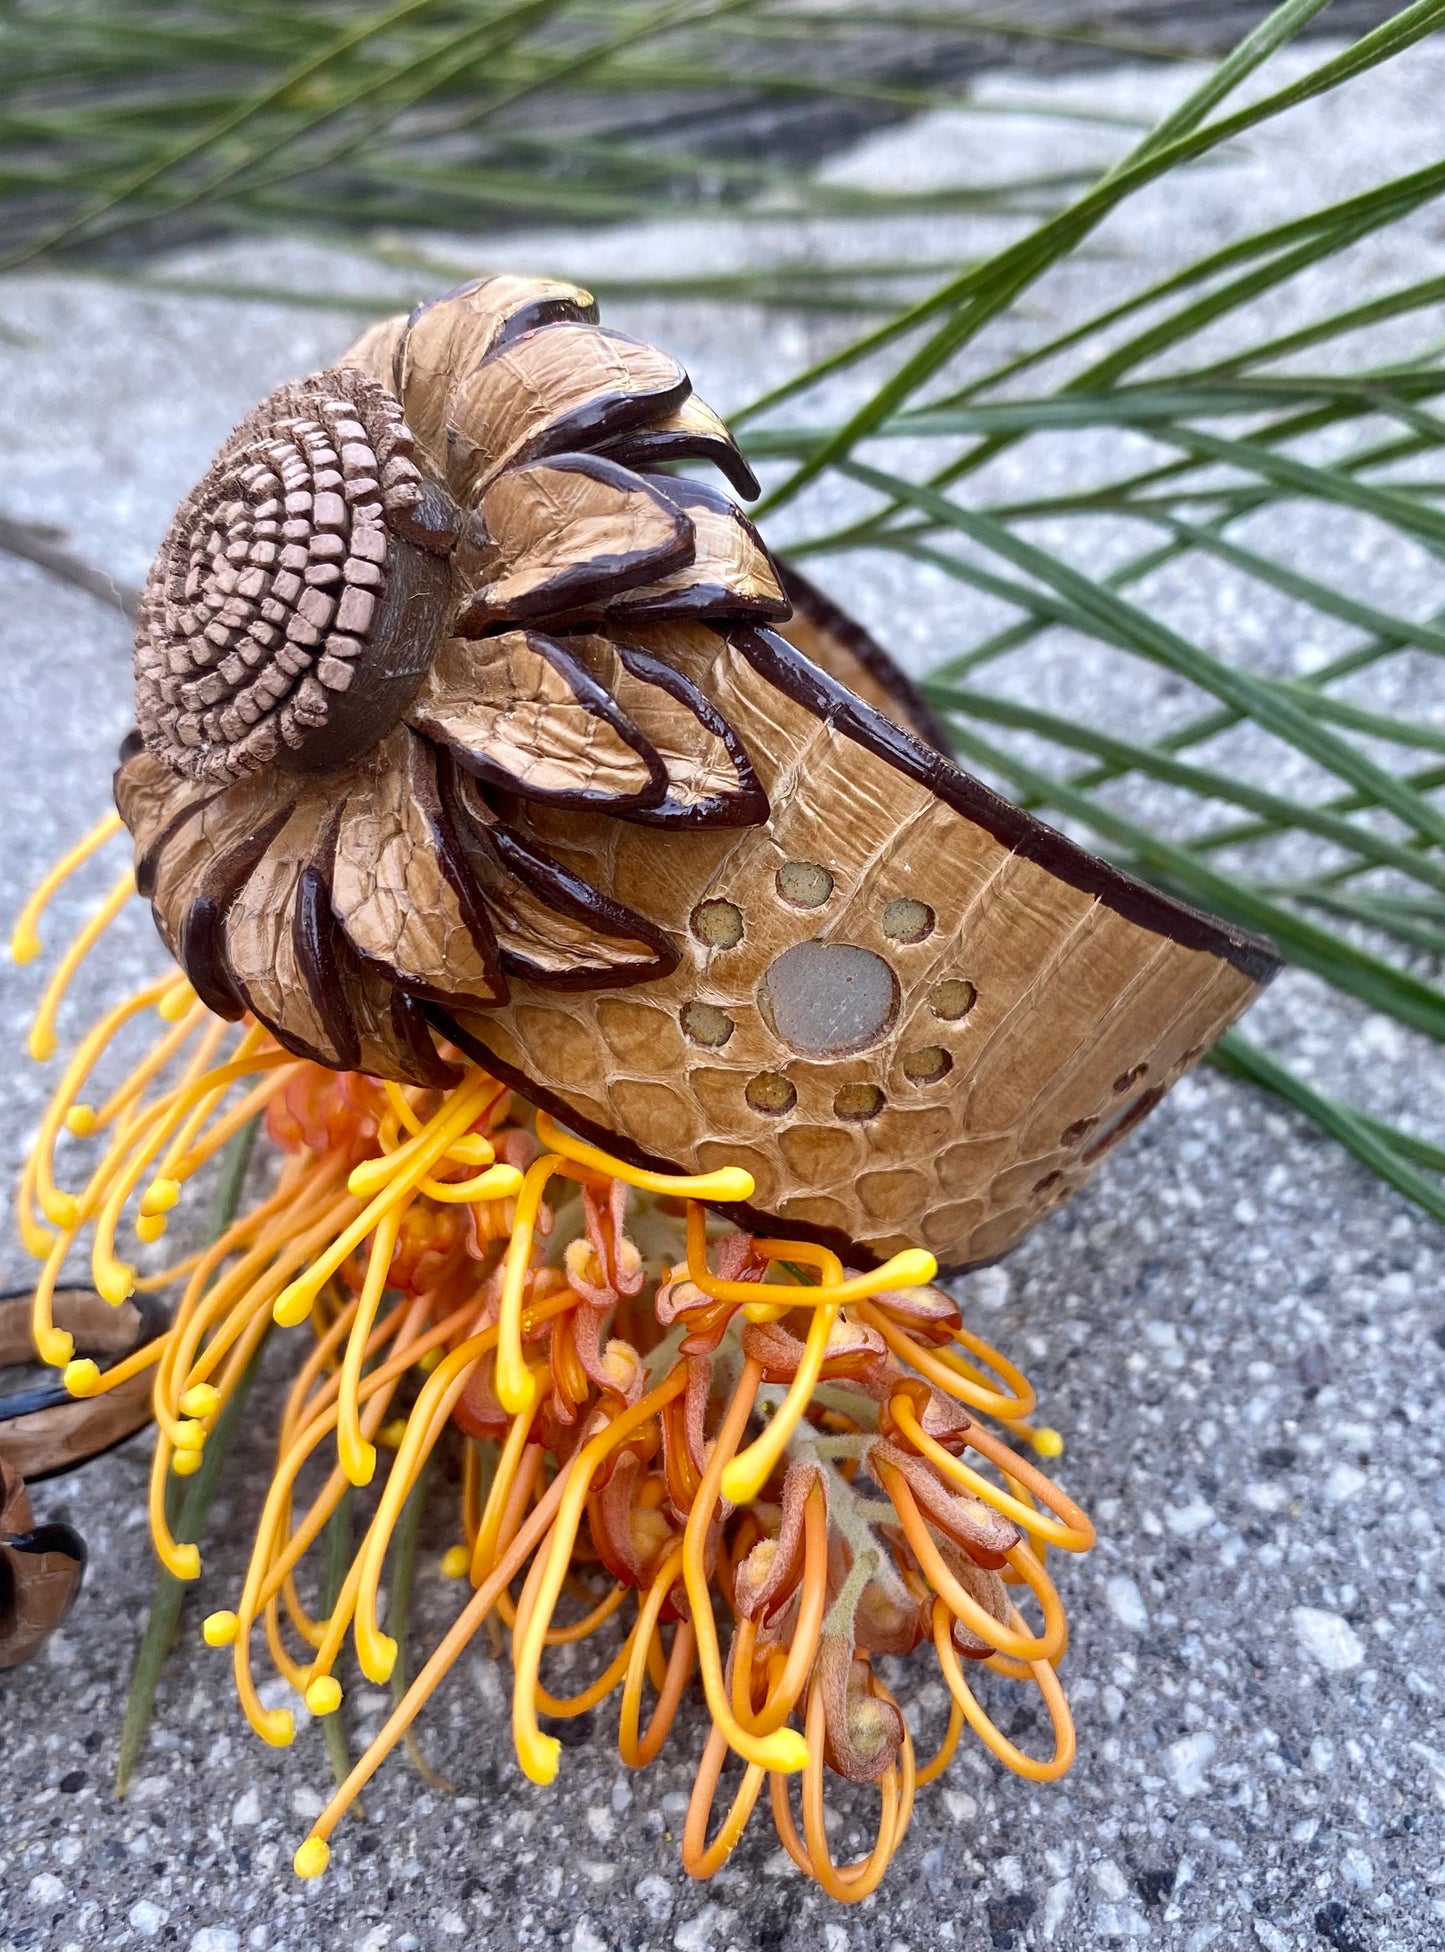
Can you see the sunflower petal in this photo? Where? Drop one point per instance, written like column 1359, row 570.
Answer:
column 551, row 926
column 198, row 866
column 731, row 574
column 446, row 337
column 398, row 887
column 569, row 533
column 280, row 941
column 710, row 780
column 521, row 712
column 691, row 432
column 557, row 389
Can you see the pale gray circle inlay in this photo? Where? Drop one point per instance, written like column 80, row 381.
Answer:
column 826, row 997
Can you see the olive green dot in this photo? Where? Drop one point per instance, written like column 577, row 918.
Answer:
column 718, row 923
column 907, row 921
column 771, row 1093
column 704, row 1023
column 953, row 999
column 855, row 1102
column 804, row 883
column 928, row 1065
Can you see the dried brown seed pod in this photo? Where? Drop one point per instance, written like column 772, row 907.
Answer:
column 509, row 719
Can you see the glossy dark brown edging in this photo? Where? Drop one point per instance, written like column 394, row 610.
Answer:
column 809, row 601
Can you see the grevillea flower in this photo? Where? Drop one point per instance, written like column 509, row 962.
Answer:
column 741, row 1470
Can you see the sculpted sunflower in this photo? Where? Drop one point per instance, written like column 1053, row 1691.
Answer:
column 409, row 592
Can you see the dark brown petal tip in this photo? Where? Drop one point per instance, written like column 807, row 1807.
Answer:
column 279, row 942
column 568, row 534
column 551, row 926
column 446, row 338
column 691, row 432
column 561, row 387
column 730, row 576
column 520, row 711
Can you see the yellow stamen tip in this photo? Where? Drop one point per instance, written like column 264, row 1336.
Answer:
column 55, row 1346
column 539, row 1756
column 42, row 1044
column 471, row 1149
column 741, row 1482
column 497, row 1183
column 369, row 1177
column 186, row 1463
column 358, row 1461
column 189, row 1436
column 61, row 1208
column 220, row 1629
column 1047, row 1442
column 115, row 1282
column 728, row 1183
column 516, row 1387
column 392, row 1436
column 323, row 1697
column 912, row 1268
column 80, row 1121
column 429, row 1361
column 183, row 1562
column 292, row 1306
column 175, row 1003
column 25, row 945
column 785, row 1751
column 160, row 1196
column 201, row 1400
column 81, row 1376
column 456, row 1562
column 278, row 1728
column 376, row 1656
column 312, row 1858
column 150, row 1226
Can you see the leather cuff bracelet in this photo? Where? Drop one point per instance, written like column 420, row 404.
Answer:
column 459, row 717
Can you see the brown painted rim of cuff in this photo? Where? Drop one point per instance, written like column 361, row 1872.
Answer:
column 827, row 698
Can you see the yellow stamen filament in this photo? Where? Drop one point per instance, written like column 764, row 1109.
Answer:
column 784, row 1749
column 536, row 1752
column 986, row 1730
column 358, row 1458
column 1070, row 1530
column 490, row 1299
column 728, row 1184
column 25, row 943
column 295, row 1302
column 42, row 1044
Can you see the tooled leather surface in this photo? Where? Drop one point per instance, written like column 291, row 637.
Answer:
column 1081, row 1017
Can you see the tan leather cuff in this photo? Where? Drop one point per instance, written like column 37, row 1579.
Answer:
column 44, row 1430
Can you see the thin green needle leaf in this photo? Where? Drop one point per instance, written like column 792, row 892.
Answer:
column 1384, row 1150
column 336, row 1557
column 1120, row 622
column 398, row 1613
column 194, row 1502
column 1207, row 783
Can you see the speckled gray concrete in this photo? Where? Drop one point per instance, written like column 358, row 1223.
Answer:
column 1239, row 1330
